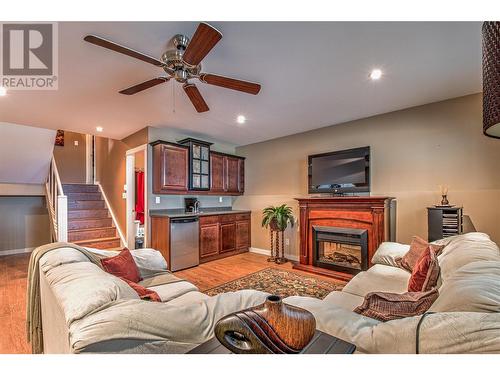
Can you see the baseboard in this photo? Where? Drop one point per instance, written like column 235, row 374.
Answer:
column 257, row 250
column 16, row 251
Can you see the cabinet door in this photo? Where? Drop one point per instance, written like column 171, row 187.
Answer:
column 242, row 234
column 233, row 174
column 241, row 184
column 217, row 172
column 170, row 168
column 227, row 237
column 209, row 240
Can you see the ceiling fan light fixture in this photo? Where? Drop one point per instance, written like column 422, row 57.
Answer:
column 241, row 119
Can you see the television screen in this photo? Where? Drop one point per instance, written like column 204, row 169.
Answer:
column 340, row 171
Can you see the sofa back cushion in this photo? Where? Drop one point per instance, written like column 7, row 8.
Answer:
column 473, row 288
column 464, row 249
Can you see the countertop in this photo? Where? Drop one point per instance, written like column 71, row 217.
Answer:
column 179, row 212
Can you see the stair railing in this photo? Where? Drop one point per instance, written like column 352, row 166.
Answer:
column 57, row 204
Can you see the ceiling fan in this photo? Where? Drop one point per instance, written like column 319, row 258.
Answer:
column 183, row 63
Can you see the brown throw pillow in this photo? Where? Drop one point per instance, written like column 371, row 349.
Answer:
column 417, row 247
column 425, row 273
column 388, row 306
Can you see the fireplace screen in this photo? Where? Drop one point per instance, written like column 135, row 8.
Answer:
column 340, row 249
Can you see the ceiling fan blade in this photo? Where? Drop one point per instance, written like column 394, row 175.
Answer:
column 195, row 96
column 230, row 83
column 144, row 85
column 203, row 40
column 98, row 41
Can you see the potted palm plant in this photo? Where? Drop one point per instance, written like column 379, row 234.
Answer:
column 277, row 219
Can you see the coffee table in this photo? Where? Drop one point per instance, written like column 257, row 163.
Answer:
column 321, row 343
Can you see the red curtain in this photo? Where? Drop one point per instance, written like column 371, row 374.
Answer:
column 139, row 196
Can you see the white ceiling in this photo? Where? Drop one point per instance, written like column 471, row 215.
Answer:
column 312, row 75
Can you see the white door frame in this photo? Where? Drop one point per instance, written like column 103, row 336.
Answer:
column 89, row 159
column 130, row 194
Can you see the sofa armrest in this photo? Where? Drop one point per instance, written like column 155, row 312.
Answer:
column 388, row 252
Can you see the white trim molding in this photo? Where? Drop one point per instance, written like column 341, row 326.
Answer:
column 16, row 251
column 257, row 250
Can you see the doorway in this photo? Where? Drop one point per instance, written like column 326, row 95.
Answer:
column 137, row 197
column 90, row 159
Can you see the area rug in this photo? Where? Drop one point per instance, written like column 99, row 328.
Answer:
column 280, row 282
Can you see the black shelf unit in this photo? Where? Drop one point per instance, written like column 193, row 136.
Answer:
column 444, row 222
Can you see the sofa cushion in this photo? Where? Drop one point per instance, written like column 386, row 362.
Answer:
column 188, row 298
column 143, row 292
column 345, row 300
column 123, row 266
column 425, row 274
column 473, row 288
column 417, row 247
column 83, row 287
column 464, row 249
column 170, row 291
column 388, row 252
column 378, row 278
column 389, row 306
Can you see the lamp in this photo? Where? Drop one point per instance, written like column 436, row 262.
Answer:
column 491, row 79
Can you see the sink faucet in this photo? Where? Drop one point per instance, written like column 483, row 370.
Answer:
column 196, row 206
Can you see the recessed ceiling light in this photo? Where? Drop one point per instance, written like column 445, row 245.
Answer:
column 376, row 74
column 241, row 119
column 3, row 91
column 99, row 129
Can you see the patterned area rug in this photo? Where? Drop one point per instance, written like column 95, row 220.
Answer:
column 282, row 283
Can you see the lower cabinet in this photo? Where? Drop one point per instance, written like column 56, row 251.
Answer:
column 223, row 235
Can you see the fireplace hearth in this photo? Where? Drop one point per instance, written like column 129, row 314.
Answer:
column 340, row 249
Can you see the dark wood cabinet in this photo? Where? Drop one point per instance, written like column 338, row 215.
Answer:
column 224, row 235
column 444, row 222
column 227, row 237
column 209, row 240
column 218, row 171
column 172, row 173
column 170, row 168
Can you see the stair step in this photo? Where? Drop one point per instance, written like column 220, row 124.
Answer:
column 80, row 188
column 84, row 196
column 85, row 204
column 74, row 224
column 91, row 234
column 88, row 214
column 101, row 243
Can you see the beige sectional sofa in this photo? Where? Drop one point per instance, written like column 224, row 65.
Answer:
column 85, row 309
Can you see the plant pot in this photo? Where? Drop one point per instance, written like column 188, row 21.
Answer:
column 273, row 327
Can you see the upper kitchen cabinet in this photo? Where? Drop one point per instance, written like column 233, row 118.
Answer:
column 170, row 168
column 199, row 163
column 191, row 168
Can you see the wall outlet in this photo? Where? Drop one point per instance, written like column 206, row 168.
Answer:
column 76, row 143
column 287, row 242
column 125, row 187
column 124, row 195
column 157, row 200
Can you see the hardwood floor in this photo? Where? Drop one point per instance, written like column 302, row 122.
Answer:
column 13, row 273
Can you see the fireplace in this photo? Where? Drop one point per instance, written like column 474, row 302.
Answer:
column 340, row 249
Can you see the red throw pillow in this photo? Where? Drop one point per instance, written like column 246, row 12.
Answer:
column 425, row 274
column 123, row 266
column 144, row 293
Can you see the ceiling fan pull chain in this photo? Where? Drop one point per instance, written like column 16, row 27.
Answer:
column 173, row 98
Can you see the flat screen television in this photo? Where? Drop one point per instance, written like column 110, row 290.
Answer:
column 346, row 171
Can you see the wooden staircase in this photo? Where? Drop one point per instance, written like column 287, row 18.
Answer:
column 89, row 221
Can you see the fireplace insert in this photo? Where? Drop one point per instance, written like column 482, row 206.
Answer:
column 340, row 249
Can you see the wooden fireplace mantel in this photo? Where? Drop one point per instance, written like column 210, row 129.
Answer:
column 363, row 212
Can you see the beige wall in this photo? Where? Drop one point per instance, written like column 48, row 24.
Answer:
column 412, row 152
column 110, row 170
column 70, row 159
column 24, row 223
